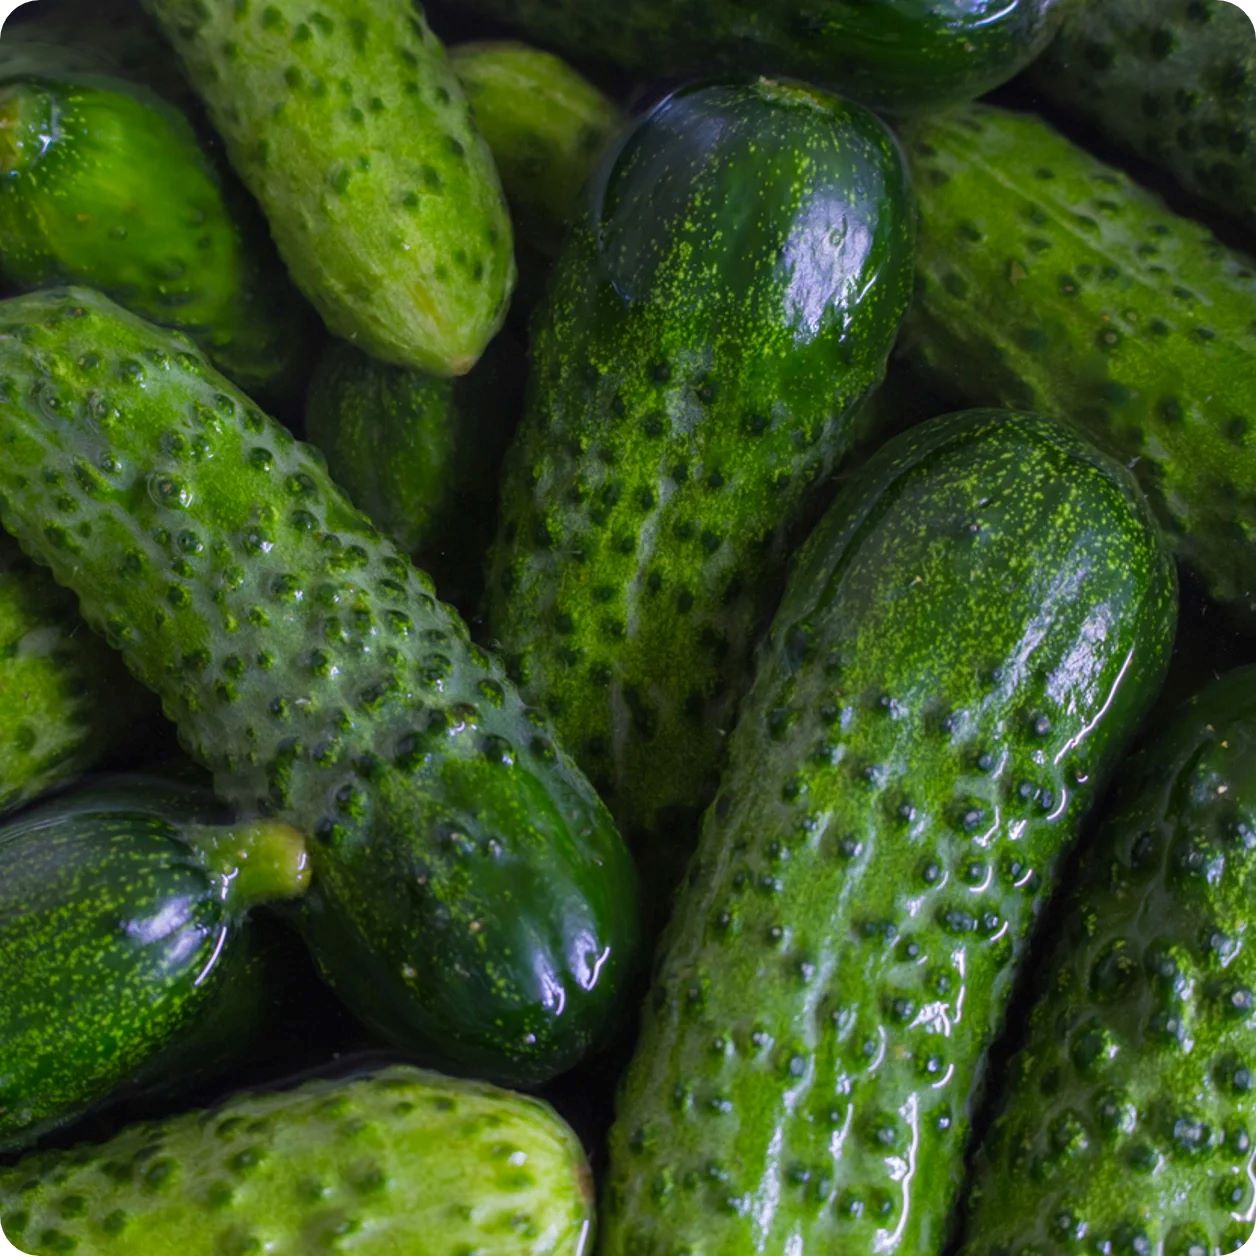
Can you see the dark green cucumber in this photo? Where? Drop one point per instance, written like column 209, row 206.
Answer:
column 348, row 125
column 471, row 897
column 890, row 54
column 1124, row 1123
column 546, row 125
column 1050, row 281
column 66, row 701
column 102, row 183
column 396, row 1161
column 965, row 644
column 726, row 297
column 1173, row 81
column 121, row 930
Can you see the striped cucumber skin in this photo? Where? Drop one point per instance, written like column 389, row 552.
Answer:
column 1049, row 280
column 965, row 644
column 1124, row 1122
column 398, row 1160
column 728, row 294
column 471, row 896
column 103, row 184
column 348, row 125
column 1172, row 81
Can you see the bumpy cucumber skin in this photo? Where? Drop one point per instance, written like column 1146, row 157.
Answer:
column 66, row 701
column 121, row 931
column 348, row 125
column 895, row 54
column 400, row 1160
column 1048, row 280
column 471, row 896
column 122, row 199
column 727, row 296
column 965, row 643
column 1173, row 81
column 545, row 123
column 1124, row 1122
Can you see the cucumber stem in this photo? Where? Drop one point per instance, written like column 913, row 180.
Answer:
column 259, row 861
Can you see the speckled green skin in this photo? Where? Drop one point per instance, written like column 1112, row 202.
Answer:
column 1171, row 80
column 121, row 930
column 545, row 123
column 1125, row 1121
column 727, row 296
column 1048, row 280
column 471, row 899
column 965, row 644
column 348, row 124
column 66, row 701
column 124, row 200
column 890, row 54
column 399, row 1161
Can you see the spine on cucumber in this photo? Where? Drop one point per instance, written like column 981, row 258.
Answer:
column 1124, row 1123
column 965, row 644
column 1051, row 281
column 471, row 897
column 727, row 295
column 348, row 125
column 398, row 1160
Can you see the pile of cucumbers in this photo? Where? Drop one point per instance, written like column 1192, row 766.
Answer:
column 628, row 628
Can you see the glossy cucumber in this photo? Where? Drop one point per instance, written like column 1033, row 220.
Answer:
column 965, row 645
column 1051, row 281
column 1124, row 1122
column 348, row 125
column 471, row 897
column 726, row 297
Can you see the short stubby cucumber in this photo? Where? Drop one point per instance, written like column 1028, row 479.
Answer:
column 349, row 126
column 1173, row 81
column 398, row 1160
column 1049, row 280
column 471, row 898
column 66, row 701
column 102, row 183
column 727, row 295
column 546, row 125
column 1124, row 1123
column 121, row 930
column 965, row 644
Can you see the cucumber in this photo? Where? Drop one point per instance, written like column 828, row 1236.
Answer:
column 348, row 125
column 66, row 701
column 728, row 294
column 121, row 930
column 545, row 124
column 471, row 898
column 1124, row 1120
column 1172, row 81
column 1050, row 281
column 102, row 183
column 889, row 54
column 395, row 1161
column 965, row 644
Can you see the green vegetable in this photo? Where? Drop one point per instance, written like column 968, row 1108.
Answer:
column 965, row 645
column 1173, row 81
column 890, row 54
column 727, row 296
column 66, row 702
column 1050, row 281
column 471, row 898
column 121, row 931
column 102, row 183
column 348, row 125
column 1124, row 1122
column 397, row 1161
column 546, row 125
